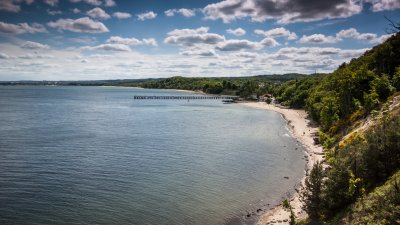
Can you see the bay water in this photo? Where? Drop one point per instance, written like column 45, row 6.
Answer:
column 94, row 155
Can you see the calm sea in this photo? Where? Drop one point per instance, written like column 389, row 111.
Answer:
column 94, row 155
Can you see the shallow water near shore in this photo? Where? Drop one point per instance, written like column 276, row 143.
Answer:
column 93, row 155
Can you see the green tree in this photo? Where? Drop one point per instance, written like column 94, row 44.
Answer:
column 396, row 79
column 311, row 193
column 371, row 101
column 381, row 85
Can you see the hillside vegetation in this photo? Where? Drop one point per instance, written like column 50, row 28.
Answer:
column 360, row 184
column 350, row 92
column 245, row 87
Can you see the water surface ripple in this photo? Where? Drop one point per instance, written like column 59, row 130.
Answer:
column 93, row 155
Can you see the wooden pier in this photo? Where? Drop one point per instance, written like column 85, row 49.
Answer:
column 184, row 97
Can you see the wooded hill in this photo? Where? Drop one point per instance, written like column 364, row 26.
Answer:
column 361, row 182
column 241, row 86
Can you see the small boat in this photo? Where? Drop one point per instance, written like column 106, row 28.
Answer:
column 228, row 101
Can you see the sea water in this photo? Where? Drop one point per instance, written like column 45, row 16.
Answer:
column 94, row 155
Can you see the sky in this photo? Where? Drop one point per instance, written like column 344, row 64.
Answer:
column 115, row 39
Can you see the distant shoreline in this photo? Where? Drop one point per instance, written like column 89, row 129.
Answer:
column 304, row 130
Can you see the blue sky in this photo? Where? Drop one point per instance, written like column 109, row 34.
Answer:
column 111, row 39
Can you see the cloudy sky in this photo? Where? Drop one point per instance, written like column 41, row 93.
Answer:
column 112, row 39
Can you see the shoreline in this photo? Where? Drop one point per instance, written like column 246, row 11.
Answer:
column 304, row 130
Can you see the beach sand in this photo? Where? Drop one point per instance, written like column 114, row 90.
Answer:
column 304, row 130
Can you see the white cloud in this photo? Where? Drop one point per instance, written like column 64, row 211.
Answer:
column 170, row 12
column 125, row 41
column 199, row 40
column 318, row 39
column 353, row 53
column 237, row 32
column 200, row 52
column 368, row 37
column 122, row 15
column 132, row 41
column 381, row 5
column 269, row 42
column 309, row 50
column 237, row 45
column 27, row 56
column 109, row 47
column 21, row 28
column 9, row 6
column 34, row 45
column 277, row 32
column 14, row 5
column 109, row 3
column 382, row 38
column 76, row 11
column 316, row 53
column 191, row 37
column 112, row 62
column 147, row 16
column 35, row 56
column 250, row 55
column 51, row 2
column 149, row 41
column 98, row 13
column 54, row 12
column 348, row 33
column 282, row 11
column 90, row 2
column 84, row 25
column 184, row 12
column 4, row 56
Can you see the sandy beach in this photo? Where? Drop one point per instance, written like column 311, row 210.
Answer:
column 304, row 130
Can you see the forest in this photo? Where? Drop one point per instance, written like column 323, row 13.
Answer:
column 360, row 183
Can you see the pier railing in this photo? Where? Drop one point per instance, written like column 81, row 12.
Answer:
column 184, row 97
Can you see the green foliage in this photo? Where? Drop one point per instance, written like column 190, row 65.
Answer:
column 381, row 206
column 357, row 165
column 294, row 93
column 396, row 79
column 286, row 205
column 381, row 154
column 371, row 101
column 248, row 89
column 381, row 85
column 213, row 88
column 336, row 188
column 361, row 84
column 243, row 86
column 354, row 184
column 311, row 193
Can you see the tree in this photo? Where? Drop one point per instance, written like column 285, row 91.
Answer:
column 247, row 89
column 382, row 86
column 311, row 193
column 396, row 79
column 286, row 205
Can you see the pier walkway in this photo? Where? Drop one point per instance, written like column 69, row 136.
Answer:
column 184, row 97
